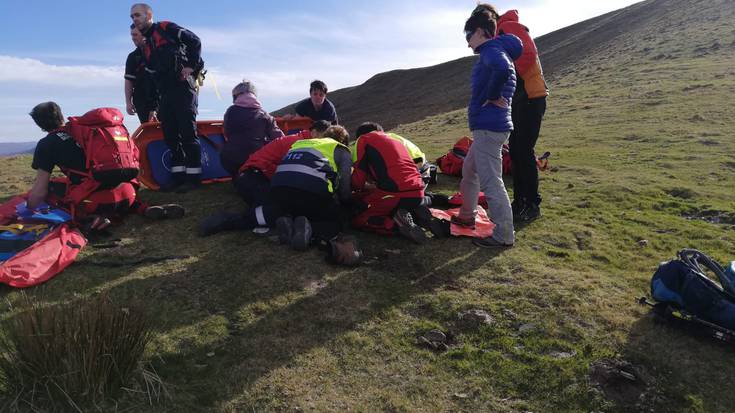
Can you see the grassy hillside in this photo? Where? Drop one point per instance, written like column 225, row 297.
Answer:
column 642, row 166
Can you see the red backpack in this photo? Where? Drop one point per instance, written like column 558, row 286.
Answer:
column 112, row 158
column 451, row 163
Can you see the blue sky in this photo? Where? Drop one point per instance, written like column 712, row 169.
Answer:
column 73, row 52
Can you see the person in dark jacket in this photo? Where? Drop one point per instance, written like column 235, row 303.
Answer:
column 317, row 106
column 489, row 114
column 247, row 127
column 141, row 96
column 173, row 58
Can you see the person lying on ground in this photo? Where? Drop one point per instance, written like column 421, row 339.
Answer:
column 247, row 127
column 59, row 148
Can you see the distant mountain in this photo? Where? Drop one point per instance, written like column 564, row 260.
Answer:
column 15, row 148
column 644, row 31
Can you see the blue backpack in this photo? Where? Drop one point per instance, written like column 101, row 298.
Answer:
column 683, row 286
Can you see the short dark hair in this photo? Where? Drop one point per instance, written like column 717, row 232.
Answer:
column 484, row 16
column 367, row 127
column 145, row 7
column 318, row 85
column 47, row 116
column 320, row 125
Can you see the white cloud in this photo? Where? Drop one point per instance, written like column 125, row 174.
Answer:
column 16, row 69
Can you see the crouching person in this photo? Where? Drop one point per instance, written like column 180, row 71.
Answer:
column 253, row 179
column 389, row 191
column 93, row 202
column 304, row 194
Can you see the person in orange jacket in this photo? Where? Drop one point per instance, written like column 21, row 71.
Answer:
column 528, row 108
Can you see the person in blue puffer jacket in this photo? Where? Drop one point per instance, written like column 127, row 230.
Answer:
column 489, row 114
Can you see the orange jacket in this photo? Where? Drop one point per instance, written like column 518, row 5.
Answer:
column 528, row 66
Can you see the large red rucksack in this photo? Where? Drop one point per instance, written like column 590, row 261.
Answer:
column 112, row 157
column 451, row 163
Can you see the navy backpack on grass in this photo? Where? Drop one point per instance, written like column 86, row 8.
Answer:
column 682, row 285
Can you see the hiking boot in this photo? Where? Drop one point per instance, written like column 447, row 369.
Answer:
column 220, row 221
column 517, row 206
column 158, row 212
column 463, row 222
column 440, row 228
column 529, row 213
column 407, row 227
column 284, row 229
column 423, row 218
column 301, row 237
column 490, row 243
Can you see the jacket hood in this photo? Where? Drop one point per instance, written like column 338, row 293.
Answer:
column 509, row 16
column 511, row 44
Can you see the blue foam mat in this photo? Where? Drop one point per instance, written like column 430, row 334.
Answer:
column 159, row 157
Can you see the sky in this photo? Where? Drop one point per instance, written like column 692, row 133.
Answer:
column 73, row 52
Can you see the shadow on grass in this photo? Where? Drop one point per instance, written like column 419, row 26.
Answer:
column 271, row 314
column 690, row 366
column 242, row 306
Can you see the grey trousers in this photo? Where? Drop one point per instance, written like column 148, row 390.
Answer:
column 483, row 171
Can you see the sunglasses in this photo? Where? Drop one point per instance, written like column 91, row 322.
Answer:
column 468, row 35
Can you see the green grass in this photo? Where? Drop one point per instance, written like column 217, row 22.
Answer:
column 639, row 153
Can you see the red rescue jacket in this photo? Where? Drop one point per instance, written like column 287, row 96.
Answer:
column 267, row 158
column 385, row 161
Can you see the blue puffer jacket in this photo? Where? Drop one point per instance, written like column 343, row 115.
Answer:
column 493, row 76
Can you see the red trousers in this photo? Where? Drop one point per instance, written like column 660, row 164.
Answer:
column 377, row 207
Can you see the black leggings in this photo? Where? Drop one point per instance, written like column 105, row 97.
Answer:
column 527, row 115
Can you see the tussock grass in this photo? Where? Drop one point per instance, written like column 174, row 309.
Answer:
column 77, row 355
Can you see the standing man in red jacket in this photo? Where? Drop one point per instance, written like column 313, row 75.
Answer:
column 528, row 108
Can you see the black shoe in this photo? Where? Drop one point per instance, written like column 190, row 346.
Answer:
column 167, row 211
column 530, row 213
column 407, row 227
column 220, row 221
column 423, row 218
column 440, row 228
column 301, row 237
column 517, row 206
column 490, row 243
column 284, row 229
